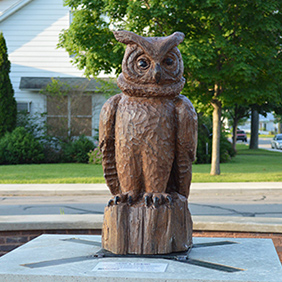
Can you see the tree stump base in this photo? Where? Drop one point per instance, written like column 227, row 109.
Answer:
column 138, row 229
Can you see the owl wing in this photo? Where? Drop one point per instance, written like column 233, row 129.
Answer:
column 107, row 142
column 186, row 144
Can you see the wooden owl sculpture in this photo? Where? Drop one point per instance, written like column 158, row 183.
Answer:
column 148, row 134
column 148, row 137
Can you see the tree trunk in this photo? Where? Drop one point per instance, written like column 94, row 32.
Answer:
column 216, row 130
column 234, row 136
column 254, row 129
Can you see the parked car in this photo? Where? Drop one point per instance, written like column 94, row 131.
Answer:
column 276, row 142
column 241, row 135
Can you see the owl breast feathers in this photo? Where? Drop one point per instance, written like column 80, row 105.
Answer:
column 148, row 134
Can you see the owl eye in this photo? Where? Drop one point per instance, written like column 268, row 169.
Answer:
column 143, row 64
column 168, row 61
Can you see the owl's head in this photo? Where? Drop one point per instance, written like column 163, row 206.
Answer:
column 152, row 66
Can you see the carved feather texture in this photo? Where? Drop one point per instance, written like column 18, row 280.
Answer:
column 145, row 129
column 107, row 143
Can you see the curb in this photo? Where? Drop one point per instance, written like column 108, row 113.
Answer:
column 90, row 221
column 102, row 189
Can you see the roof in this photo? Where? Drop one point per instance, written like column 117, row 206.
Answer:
column 39, row 83
column 9, row 7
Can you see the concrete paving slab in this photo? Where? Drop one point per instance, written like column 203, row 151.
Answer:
column 72, row 258
column 54, row 189
column 102, row 189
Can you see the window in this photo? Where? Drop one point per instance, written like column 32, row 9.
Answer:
column 24, row 106
column 69, row 115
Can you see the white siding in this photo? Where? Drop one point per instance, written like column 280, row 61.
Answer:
column 32, row 35
column 5, row 4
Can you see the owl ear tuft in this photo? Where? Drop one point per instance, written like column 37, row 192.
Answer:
column 178, row 37
column 126, row 37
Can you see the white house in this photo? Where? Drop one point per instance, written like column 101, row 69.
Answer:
column 31, row 29
column 266, row 124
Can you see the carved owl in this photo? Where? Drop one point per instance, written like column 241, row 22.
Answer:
column 148, row 133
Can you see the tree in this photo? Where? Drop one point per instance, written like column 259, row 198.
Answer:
column 231, row 49
column 235, row 114
column 8, row 106
column 254, row 129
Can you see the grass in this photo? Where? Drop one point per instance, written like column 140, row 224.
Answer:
column 248, row 166
column 52, row 173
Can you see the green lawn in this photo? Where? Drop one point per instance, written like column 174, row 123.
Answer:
column 247, row 166
column 52, row 173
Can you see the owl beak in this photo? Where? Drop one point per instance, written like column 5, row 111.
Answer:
column 157, row 73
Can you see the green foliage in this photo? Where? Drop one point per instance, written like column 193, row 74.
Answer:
column 234, row 44
column 77, row 150
column 231, row 52
column 107, row 86
column 204, row 146
column 56, row 88
column 95, row 156
column 20, row 147
column 226, row 150
column 204, row 140
column 8, row 106
column 34, row 124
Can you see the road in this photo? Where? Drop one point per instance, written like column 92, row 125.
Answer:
column 257, row 204
column 264, row 143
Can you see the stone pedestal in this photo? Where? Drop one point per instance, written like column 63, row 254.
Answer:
column 139, row 229
column 73, row 258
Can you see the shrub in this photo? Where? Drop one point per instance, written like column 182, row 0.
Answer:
column 77, row 150
column 20, row 147
column 36, row 125
column 33, row 123
column 226, row 150
column 95, row 156
column 203, row 154
column 204, row 146
column 8, row 106
column 52, row 150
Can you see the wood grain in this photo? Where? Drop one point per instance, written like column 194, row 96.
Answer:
column 138, row 229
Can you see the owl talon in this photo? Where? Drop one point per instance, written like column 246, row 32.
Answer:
column 156, row 202
column 110, row 202
column 169, row 199
column 117, row 199
column 147, row 201
column 130, row 200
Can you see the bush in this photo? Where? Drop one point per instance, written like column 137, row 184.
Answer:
column 33, row 123
column 20, row 147
column 95, row 156
column 77, row 150
column 36, row 125
column 52, row 149
column 8, row 105
column 204, row 147
column 226, row 150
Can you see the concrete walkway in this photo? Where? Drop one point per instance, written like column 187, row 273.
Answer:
column 101, row 189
